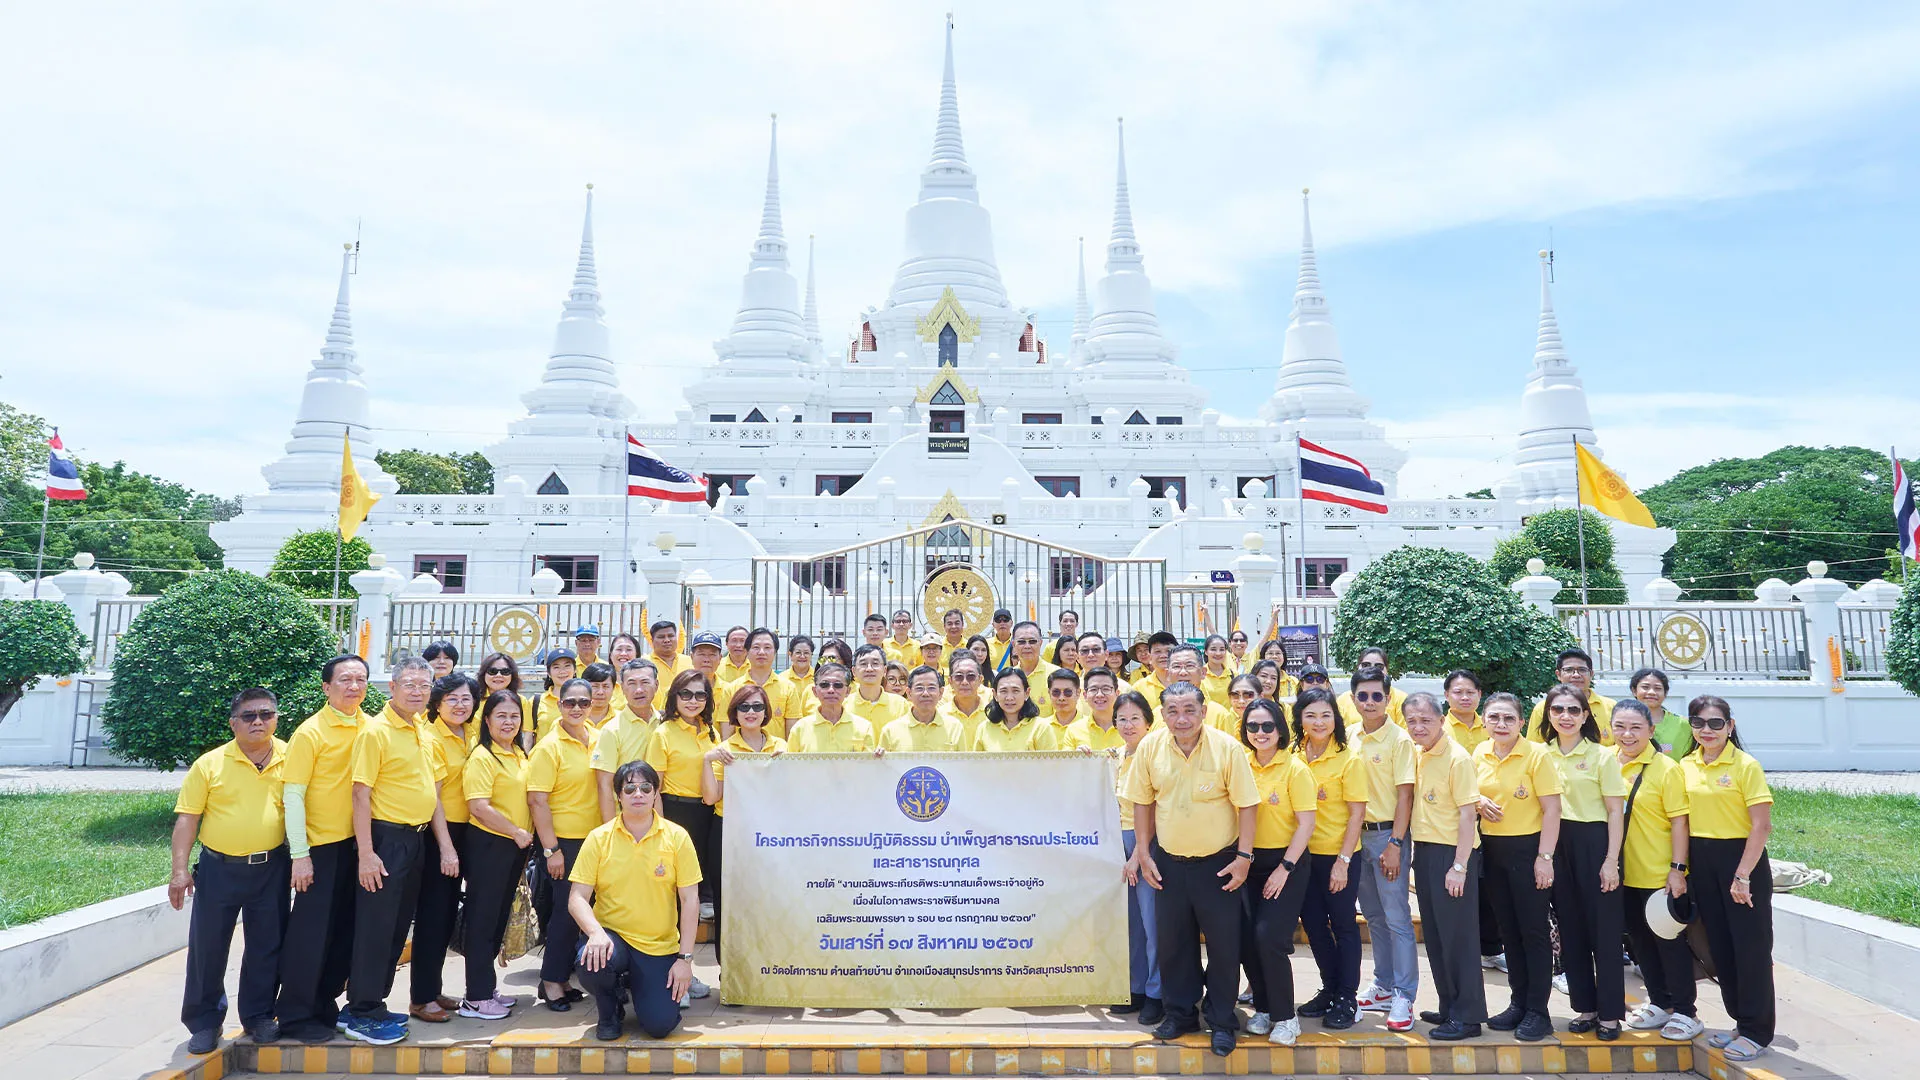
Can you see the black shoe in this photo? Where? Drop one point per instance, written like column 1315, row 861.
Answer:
column 204, row 1042
column 1607, row 1032
column 1428, row 1016
column 1533, row 1027
column 1223, row 1041
column 1132, row 1006
column 1152, row 1011
column 1171, row 1029
column 1317, row 1005
column 1342, row 1014
column 1508, row 1019
column 1581, row 1027
column 608, row 1029
column 313, row 1033
column 264, row 1031
column 1454, row 1031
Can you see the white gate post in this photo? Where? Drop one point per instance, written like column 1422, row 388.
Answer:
column 1253, row 575
column 1820, row 596
column 662, row 571
column 377, row 585
column 1537, row 588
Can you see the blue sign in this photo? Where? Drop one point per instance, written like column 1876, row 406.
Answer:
column 1221, row 577
column 923, row 793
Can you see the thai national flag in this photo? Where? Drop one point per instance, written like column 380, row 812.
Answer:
column 63, row 475
column 1336, row 478
column 649, row 476
column 1906, row 519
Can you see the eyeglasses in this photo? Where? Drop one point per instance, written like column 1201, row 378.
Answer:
column 637, row 789
column 504, row 673
column 964, row 676
column 753, row 706
column 1575, row 670
column 691, row 695
column 1369, row 695
column 835, row 685
column 1262, row 725
column 255, row 716
column 576, row 703
column 1714, row 722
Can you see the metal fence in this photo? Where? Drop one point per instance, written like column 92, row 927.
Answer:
column 520, row 626
column 1863, row 640
column 1195, row 610
column 1732, row 640
column 112, row 617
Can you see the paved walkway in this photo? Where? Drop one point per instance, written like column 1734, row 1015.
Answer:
column 1849, row 783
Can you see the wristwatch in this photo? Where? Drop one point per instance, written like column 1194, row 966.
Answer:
column 1459, row 868
column 1397, row 841
column 1680, row 866
column 687, row 956
column 1288, row 863
column 1344, row 859
column 1547, row 855
column 549, row 852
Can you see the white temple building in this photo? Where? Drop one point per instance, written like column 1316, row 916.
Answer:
column 946, row 402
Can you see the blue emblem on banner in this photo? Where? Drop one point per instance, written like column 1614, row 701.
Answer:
column 923, row 793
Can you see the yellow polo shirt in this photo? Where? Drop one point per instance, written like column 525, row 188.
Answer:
column 1515, row 783
column 500, row 777
column 681, row 662
column 902, row 652
column 970, row 720
column 239, row 806
column 1719, row 794
column 728, row 671
column 1217, row 716
column 561, row 766
column 1286, row 788
column 774, row 745
column 1036, row 684
column 452, row 747
column 1646, row 852
column 1602, row 708
column 798, row 696
column 549, row 703
column 996, row 653
column 1215, row 687
column 778, row 692
column 1446, row 784
column 1150, row 685
column 1084, row 732
column 879, row 712
column 1340, row 779
column 907, row 734
column 620, row 741
column 320, row 755
column 678, row 751
column 636, row 881
column 398, row 761
column 1468, row 734
column 1120, row 775
column 1350, row 712
column 1196, row 798
column 1389, row 755
column 1588, row 777
column 1029, row 734
column 815, row 734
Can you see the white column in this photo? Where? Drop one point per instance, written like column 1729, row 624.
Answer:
column 377, row 585
column 1820, row 595
column 82, row 588
column 662, row 570
column 1253, row 575
column 1537, row 588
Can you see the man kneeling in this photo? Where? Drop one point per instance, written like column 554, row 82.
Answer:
column 636, row 898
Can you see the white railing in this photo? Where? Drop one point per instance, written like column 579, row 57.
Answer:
column 1863, row 640
column 112, row 616
column 1726, row 640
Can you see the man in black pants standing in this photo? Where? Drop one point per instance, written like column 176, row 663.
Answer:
column 1194, row 796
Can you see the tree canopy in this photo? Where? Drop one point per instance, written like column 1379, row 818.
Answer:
column 23, row 443
column 41, row 640
column 305, row 563
column 152, row 530
column 1554, row 538
column 422, row 472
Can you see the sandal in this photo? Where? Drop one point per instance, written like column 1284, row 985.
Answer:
column 1719, row 1040
column 1743, row 1049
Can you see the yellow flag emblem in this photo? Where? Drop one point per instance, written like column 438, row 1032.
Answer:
column 356, row 498
column 1602, row 489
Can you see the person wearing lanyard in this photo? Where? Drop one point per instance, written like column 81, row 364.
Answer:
column 449, row 708
column 1340, row 810
column 1446, row 870
column 748, row 714
column 1193, row 820
column 1592, row 921
column 564, row 799
column 1133, row 718
column 678, row 752
column 1063, row 708
column 397, row 775
column 231, row 802
column 924, row 729
column 1391, row 764
column 498, row 842
column 1730, row 817
column 625, row 738
column 1519, row 829
column 1654, row 863
column 1096, row 729
column 636, row 896
column 1670, row 733
column 1276, row 885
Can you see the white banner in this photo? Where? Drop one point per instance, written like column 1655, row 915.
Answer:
column 927, row 880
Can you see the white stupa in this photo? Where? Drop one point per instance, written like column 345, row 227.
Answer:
column 1553, row 414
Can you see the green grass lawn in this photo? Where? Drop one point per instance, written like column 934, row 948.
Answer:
column 1864, row 841
column 67, row 850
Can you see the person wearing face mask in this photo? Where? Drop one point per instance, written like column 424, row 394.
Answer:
column 1653, row 862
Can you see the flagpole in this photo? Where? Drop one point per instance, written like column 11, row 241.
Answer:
column 1892, row 452
column 338, row 523
column 1300, row 509
column 40, row 557
column 1579, row 518
column 626, row 515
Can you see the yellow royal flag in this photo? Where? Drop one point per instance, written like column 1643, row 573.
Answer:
column 1602, row 489
column 356, row 498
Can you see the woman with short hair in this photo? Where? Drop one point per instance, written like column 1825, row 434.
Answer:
column 1276, row 884
column 1519, row 832
column 565, row 802
column 1133, row 717
column 495, row 857
column 599, row 677
column 451, row 708
column 1649, row 685
column 441, row 658
column 1653, row 863
column 1592, row 920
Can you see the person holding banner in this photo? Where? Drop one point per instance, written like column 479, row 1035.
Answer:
column 636, row 897
column 678, row 752
column 1340, row 810
column 749, row 714
column 1194, row 825
column 832, row 729
column 1283, row 826
column 1013, row 724
column 1133, row 718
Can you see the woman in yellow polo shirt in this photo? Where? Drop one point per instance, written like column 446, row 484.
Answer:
column 1277, row 883
column 1012, row 725
column 495, row 788
column 565, row 801
column 1218, row 672
column 1591, row 920
column 1463, row 692
column 1340, row 808
column 1446, row 869
column 1242, row 691
column 451, row 708
column 748, row 712
column 1653, row 862
column 1133, row 717
column 678, row 752
column 1730, row 817
column 1519, row 831
column 560, row 665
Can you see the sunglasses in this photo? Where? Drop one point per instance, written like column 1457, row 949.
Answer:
column 1714, row 722
column 637, row 789
column 255, row 716
column 965, row 676
column 1262, row 725
column 830, row 686
column 1321, row 679
column 1060, row 692
column 1567, row 710
column 753, row 706
column 501, row 672
column 576, row 703
column 1369, row 695
column 691, row 695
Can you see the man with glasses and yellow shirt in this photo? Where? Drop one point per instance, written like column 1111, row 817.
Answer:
column 1575, row 669
column 924, row 728
column 1390, row 759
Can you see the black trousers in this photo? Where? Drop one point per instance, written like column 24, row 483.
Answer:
column 697, row 818
column 1739, row 937
column 1490, row 944
column 1451, row 927
column 1521, row 912
column 1666, row 964
column 1266, row 931
column 318, row 949
column 563, row 934
column 714, row 859
column 223, row 890
column 493, row 866
column 1333, row 933
column 1592, row 923
column 632, row 974
column 381, row 918
column 433, row 919
column 1192, row 903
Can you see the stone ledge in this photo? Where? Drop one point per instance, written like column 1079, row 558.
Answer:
column 58, row 957
column 1864, row 955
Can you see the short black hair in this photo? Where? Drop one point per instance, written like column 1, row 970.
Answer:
column 1061, row 674
column 924, row 669
column 868, row 649
column 1633, row 681
column 439, row 649
column 1367, row 673
column 327, row 669
column 598, row 671
column 1162, row 637
column 252, row 693
column 874, row 617
column 660, row 624
column 1572, row 654
column 635, row 770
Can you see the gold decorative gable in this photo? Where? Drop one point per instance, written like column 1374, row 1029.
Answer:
column 949, row 509
column 947, row 377
column 949, row 312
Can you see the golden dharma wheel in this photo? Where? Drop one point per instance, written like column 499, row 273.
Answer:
column 1682, row 640
column 958, row 587
column 516, row 632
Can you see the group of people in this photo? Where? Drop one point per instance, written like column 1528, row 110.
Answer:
column 1251, row 801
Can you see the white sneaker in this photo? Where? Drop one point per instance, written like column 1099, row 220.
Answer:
column 706, row 912
column 1647, row 1017
column 699, row 989
column 1374, row 999
column 1400, row 1014
column 1285, row 1032
column 1260, row 1024
column 1246, row 997
column 1560, row 983
column 1682, row 1028
column 1496, row 962
column 686, row 1001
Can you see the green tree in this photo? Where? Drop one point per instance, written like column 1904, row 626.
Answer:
column 1435, row 610
column 23, row 444
column 1744, row 520
column 1553, row 538
column 152, row 530
column 422, row 472
column 305, row 563
column 1903, row 640
column 41, row 640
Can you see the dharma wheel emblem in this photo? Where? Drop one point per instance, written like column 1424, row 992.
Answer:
column 962, row 588
column 516, row 632
column 1681, row 640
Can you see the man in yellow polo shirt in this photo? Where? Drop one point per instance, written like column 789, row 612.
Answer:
column 230, row 801
column 953, row 631
column 318, row 793
column 834, row 729
column 1026, row 656
column 625, row 738
column 1194, row 796
column 1575, row 668
column 871, row 700
column 396, row 798
column 1154, row 677
column 1446, row 868
column 1389, row 757
column 924, row 728
column 663, row 640
column 1184, row 664
column 901, row 646
column 1000, row 642
column 734, row 667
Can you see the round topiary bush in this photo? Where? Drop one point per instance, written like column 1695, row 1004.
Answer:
column 1554, row 537
column 1903, row 640
column 39, row 640
column 186, row 655
column 305, row 562
column 1435, row 610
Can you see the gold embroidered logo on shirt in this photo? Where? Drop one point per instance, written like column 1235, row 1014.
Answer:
column 659, row 869
column 1520, row 792
column 1725, row 781
column 1321, row 794
column 1273, row 799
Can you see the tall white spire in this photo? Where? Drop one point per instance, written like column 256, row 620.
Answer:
column 771, row 246
column 768, row 332
column 947, row 173
column 1082, row 310
column 1313, row 383
column 1124, row 246
column 333, row 400
column 1553, row 410
column 810, row 313
column 1124, row 328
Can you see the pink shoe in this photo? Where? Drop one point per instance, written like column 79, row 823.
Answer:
column 483, row 1010
column 505, row 1001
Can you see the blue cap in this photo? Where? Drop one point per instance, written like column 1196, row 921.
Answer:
column 707, row 637
column 1114, row 644
column 588, row 630
column 551, row 655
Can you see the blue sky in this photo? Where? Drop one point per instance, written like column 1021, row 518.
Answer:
column 1729, row 188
